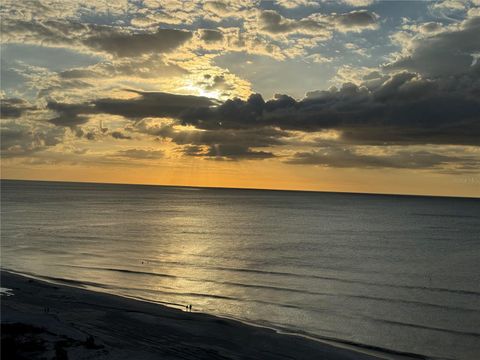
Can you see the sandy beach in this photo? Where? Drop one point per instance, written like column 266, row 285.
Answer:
column 46, row 320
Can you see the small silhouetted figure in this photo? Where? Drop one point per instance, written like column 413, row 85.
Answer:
column 190, row 307
column 186, row 307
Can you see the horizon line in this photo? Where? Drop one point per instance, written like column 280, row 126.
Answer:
column 243, row 188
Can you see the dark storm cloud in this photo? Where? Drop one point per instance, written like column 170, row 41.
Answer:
column 405, row 109
column 346, row 158
column 70, row 115
column 134, row 44
column 147, row 104
column 13, row 108
column 449, row 52
column 152, row 104
column 209, row 35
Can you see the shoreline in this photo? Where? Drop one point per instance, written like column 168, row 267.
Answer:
column 115, row 324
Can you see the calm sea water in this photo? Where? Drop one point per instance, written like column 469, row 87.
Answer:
column 395, row 272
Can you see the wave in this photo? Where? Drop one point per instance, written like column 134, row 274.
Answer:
column 290, row 274
column 283, row 289
column 447, row 215
column 321, row 277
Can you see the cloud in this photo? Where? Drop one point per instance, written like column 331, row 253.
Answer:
column 78, row 74
column 70, row 115
column 217, row 7
column 446, row 53
column 209, row 35
column 318, row 58
column 217, row 82
column 147, row 104
column 228, row 152
column 219, row 10
column 23, row 138
column 120, row 135
column 349, row 158
column 46, row 32
column 98, row 38
column 358, row 3
column 291, row 4
column 428, row 28
column 356, row 21
column 273, row 23
column 14, row 108
column 149, row 32
column 428, row 94
column 114, row 42
column 147, row 67
column 317, row 24
column 30, row 9
column 142, row 154
column 152, row 19
column 152, row 104
column 221, row 143
column 450, row 5
column 403, row 109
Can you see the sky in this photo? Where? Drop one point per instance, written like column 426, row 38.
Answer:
column 348, row 95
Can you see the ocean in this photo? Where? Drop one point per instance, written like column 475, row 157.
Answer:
column 399, row 273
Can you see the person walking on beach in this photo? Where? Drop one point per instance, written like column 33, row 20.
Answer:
column 190, row 307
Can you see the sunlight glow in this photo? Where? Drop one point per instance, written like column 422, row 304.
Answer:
column 193, row 89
